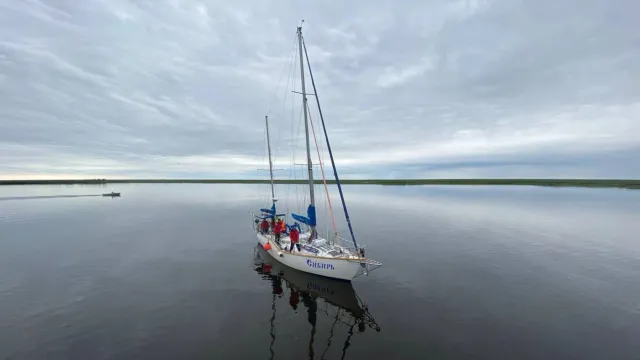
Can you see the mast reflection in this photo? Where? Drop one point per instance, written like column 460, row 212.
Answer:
column 334, row 298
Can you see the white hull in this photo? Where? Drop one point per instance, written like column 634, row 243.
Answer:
column 336, row 268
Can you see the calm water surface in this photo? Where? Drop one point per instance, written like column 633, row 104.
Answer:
column 172, row 272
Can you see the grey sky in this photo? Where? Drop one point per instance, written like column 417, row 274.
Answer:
column 431, row 88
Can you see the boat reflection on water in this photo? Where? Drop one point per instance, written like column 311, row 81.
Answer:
column 334, row 298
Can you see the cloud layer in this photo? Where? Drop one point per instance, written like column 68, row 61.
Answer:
column 439, row 88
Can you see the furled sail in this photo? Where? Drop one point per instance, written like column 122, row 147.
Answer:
column 310, row 219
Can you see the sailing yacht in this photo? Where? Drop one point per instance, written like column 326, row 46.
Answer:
column 331, row 256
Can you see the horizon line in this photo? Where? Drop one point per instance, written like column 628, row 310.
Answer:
column 553, row 182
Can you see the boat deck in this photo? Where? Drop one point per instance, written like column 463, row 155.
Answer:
column 318, row 247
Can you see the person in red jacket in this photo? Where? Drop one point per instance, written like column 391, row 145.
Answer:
column 278, row 229
column 294, row 236
column 264, row 226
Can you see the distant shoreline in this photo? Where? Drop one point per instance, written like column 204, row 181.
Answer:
column 592, row 183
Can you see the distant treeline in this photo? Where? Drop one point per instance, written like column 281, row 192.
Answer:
column 608, row 183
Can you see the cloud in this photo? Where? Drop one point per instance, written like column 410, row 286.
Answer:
column 441, row 88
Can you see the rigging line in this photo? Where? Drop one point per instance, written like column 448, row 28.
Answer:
column 279, row 132
column 313, row 335
column 303, row 176
column 264, row 156
column 326, row 209
column 272, row 332
column 347, row 343
column 282, row 115
column 292, row 62
column 330, row 336
column 291, row 58
column 333, row 164
column 292, row 55
column 324, row 180
column 292, row 172
column 299, row 122
column 293, row 152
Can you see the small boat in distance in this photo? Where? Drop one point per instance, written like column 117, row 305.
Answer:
column 112, row 194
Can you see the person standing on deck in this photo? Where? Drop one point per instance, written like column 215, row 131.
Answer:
column 294, row 236
column 277, row 230
column 264, row 226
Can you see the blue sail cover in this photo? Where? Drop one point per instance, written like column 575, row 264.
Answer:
column 310, row 219
column 269, row 211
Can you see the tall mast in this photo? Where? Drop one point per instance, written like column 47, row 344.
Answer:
column 273, row 194
column 306, row 124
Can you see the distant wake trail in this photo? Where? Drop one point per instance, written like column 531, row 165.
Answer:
column 41, row 197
